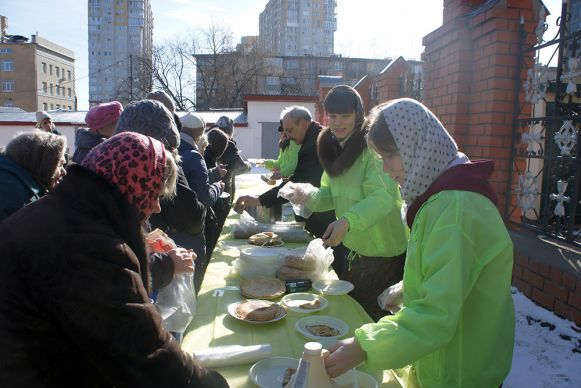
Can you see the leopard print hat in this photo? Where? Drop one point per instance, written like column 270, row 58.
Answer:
column 135, row 164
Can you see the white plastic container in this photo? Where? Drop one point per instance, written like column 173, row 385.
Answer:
column 311, row 372
column 259, row 261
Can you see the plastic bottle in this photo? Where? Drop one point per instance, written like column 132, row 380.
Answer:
column 311, row 372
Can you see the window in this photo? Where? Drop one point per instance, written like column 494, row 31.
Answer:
column 44, row 87
column 51, row 91
column 8, row 66
column 51, row 106
column 44, row 67
column 44, row 106
column 57, row 71
column 50, row 69
column 5, row 50
column 69, row 75
column 9, row 102
column 58, row 106
column 70, row 107
column 58, row 90
column 69, row 91
column 8, row 86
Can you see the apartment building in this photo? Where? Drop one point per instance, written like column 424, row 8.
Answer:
column 120, row 49
column 36, row 74
column 298, row 27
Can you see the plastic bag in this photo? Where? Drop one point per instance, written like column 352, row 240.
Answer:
column 392, row 298
column 291, row 232
column 298, row 194
column 176, row 302
column 314, row 265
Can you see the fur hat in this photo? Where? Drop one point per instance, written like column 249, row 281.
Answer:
column 164, row 98
column 226, row 124
column 103, row 114
column 217, row 142
column 39, row 153
column 150, row 118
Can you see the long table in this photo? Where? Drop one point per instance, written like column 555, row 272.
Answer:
column 213, row 326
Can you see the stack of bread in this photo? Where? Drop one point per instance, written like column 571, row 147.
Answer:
column 297, row 267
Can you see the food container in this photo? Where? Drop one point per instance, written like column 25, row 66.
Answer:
column 258, row 261
column 266, row 215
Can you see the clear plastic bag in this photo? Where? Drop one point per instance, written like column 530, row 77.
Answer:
column 313, row 265
column 392, row 298
column 291, row 232
column 176, row 302
column 298, row 194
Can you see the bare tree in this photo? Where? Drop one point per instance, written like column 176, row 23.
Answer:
column 138, row 83
column 208, row 64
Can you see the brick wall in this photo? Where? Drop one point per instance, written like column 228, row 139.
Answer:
column 393, row 82
column 549, row 286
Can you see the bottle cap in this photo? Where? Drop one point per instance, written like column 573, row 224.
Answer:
column 313, row 348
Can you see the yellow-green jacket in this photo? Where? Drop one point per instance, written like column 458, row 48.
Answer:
column 457, row 324
column 287, row 160
column 370, row 200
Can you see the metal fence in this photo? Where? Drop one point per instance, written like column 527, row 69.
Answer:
column 544, row 170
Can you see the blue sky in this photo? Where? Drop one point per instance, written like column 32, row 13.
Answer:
column 365, row 28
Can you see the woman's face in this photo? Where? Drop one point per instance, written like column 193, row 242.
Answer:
column 341, row 124
column 393, row 165
column 59, row 173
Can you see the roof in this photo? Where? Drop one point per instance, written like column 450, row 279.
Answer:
column 390, row 65
column 281, row 97
column 330, row 80
column 78, row 117
column 360, row 82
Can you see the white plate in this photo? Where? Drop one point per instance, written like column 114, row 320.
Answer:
column 333, row 286
column 269, row 373
column 335, row 323
column 364, row 380
column 232, row 312
column 293, row 301
column 225, row 195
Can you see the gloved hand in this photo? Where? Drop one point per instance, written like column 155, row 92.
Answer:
column 297, row 193
column 392, row 298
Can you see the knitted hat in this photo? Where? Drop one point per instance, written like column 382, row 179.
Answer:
column 103, row 114
column 135, row 165
column 150, row 118
column 164, row 98
column 194, row 124
column 41, row 116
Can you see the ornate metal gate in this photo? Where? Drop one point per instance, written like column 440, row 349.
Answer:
column 544, row 170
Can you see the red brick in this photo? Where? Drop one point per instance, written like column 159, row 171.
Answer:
column 542, row 298
column 563, row 310
column 575, row 300
column 533, row 279
column 556, row 275
column 557, row 290
column 569, row 281
column 517, row 271
column 521, row 260
column 522, row 286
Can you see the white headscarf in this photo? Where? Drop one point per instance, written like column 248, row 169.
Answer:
column 426, row 148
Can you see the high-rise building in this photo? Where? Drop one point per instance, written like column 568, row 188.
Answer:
column 37, row 74
column 120, row 49
column 298, row 27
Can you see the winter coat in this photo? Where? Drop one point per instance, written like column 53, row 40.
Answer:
column 183, row 213
column 85, row 141
column 196, row 173
column 17, row 187
column 370, row 201
column 287, row 160
column 459, row 259
column 74, row 308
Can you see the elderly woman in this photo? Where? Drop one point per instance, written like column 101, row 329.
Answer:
column 74, row 306
column 31, row 165
column 102, row 120
column 456, row 328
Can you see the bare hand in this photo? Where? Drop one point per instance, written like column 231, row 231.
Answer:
column 221, row 170
column 276, row 175
column 183, row 260
column 335, row 232
column 221, row 186
column 245, row 202
column 345, row 355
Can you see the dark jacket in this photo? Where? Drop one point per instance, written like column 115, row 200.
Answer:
column 74, row 311
column 17, row 187
column 235, row 166
column 183, row 213
column 85, row 141
column 196, row 173
column 309, row 169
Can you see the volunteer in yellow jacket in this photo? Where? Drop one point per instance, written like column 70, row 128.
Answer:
column 367, row 202
column 456, row 327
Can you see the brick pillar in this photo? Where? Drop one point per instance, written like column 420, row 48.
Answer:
column 470, row 66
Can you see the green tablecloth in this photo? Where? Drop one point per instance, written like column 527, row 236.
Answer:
column 213, row 326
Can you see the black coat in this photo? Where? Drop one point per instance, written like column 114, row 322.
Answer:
column 74, row 311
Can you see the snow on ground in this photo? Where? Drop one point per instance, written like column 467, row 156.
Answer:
column 547, row 349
